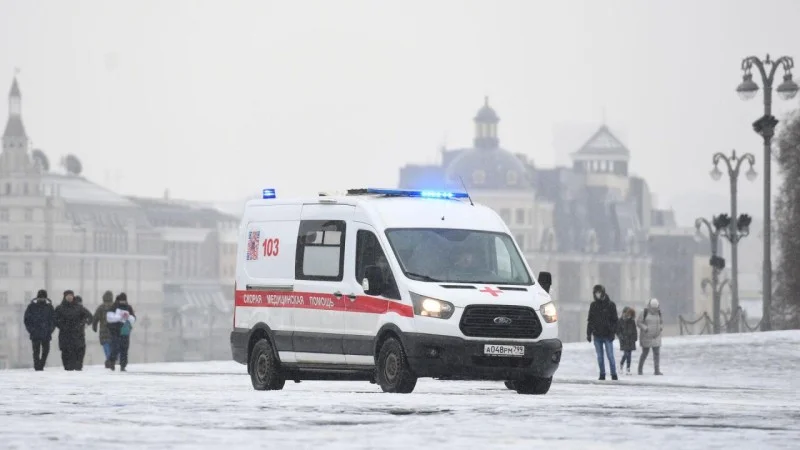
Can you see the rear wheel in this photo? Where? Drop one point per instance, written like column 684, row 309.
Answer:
column 265, row 374
column 533, row 385
column 512, row 385
column 393, row 372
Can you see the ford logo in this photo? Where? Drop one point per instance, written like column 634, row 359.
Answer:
column 502, row 321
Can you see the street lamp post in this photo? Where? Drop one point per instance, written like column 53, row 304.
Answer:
column 740, row 227
column 765, row 127
column 716, row 294
column 716, row 262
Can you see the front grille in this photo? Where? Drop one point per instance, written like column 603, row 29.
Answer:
column 479, row 321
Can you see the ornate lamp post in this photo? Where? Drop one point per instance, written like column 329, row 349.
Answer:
column 716, row 262
column 765, row 127
column 740, row 227
column 716, row 294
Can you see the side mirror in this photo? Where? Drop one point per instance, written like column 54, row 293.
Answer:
column 372, row 283
column 546, row 280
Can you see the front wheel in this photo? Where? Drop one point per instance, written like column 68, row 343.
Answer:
column 265, row 374
column 512, row 385
column 393, row 372
column 533, row 386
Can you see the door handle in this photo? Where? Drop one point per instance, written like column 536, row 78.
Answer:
column 352, row 297
column 337, row 294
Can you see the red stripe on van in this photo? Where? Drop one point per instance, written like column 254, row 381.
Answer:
column 328, row 302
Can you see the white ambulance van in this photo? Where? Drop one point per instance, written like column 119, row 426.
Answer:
column 389, row 286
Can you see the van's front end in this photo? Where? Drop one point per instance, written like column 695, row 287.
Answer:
column 479, row 314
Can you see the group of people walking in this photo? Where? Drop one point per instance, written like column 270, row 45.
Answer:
column 113, row 320
column 604, row 326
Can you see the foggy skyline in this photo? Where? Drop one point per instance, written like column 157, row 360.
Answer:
column 216, row 100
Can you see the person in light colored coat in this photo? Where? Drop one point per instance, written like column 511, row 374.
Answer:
column 651, row 326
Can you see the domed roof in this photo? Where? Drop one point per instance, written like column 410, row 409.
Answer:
column 487, row 114
column 494, row 169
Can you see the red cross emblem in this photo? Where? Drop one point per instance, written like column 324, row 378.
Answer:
column 491, row 291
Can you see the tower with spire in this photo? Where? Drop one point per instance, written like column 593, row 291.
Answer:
column 486, row 127
column 15, row 157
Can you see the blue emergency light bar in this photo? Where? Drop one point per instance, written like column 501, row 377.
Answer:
column 417, row 193
column 267, row 193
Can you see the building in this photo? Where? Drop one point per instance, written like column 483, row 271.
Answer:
column 586, row 224
column 200, row 248
column 60, row 231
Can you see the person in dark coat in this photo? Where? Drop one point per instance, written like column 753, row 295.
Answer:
column 602, row 325
column 100, row 326
column 120, row 321
column 82, row 350
column 627, row 334
column 40, row 321
column 71, row 318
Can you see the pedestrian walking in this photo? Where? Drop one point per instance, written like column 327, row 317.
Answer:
column 602, row 325
column 120, row 321
column 40, row 321
column 100, row 325
column 651, row 326
column 88, row 321
column 71, row 319
column 627, row 334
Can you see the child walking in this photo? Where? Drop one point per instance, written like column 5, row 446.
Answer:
column 627, row 334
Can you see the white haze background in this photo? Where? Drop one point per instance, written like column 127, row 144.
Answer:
column 215, row 100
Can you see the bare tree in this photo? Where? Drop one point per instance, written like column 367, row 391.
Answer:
column 786, row 311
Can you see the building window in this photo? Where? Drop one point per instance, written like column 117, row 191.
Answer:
column 521, row 216
column 28, row 215
column 512, row 178
column 3, row 269
column 520, row 238
column 320, row 250
column 3, row 298
column 28, row 269
column 28, row 242
column 4, row 215
column 3, row 242
column 505, row 214
column 478, row 177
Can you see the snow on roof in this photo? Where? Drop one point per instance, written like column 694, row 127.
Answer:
column 77, row 189
column 173, row 234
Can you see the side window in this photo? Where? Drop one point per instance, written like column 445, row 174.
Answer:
column 370, row 253
column 320, row 250
column 504, row 267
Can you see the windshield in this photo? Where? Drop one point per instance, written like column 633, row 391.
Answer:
column 458, row 256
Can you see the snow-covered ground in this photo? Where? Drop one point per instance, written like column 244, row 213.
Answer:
column 726, row 392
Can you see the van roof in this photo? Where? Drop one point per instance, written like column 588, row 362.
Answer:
column 394, row 211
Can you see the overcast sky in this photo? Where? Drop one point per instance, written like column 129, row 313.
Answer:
column 216, row 99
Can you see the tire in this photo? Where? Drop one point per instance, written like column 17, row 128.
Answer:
column 265, row 373
column 393, row 372
column 534, row 386
column 512, row 385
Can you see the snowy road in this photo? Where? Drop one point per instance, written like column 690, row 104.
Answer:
column 726, row 392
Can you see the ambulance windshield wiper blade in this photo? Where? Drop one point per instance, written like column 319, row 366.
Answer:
column 421, row 277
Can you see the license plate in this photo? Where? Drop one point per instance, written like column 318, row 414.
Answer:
column 504, row 350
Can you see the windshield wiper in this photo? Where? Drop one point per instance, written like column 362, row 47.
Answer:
column 421, row 277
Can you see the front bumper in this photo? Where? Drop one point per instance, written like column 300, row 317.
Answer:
column 456, row 358
column 239, row 340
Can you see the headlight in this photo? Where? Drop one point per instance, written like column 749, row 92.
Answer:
column 549, row 312
column 430, row 307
